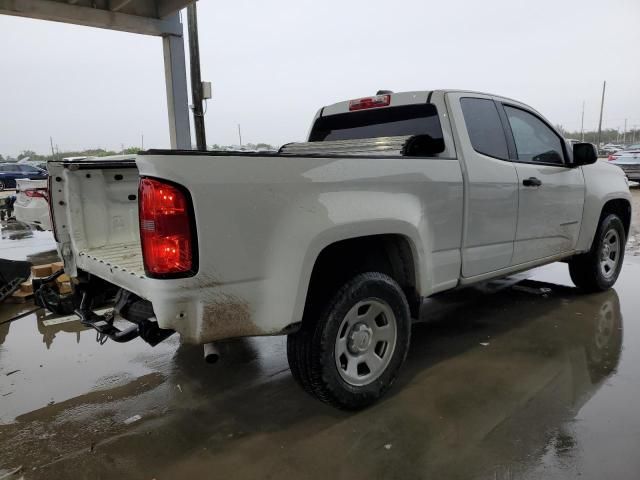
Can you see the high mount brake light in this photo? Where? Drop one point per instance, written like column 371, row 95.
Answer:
column 168, row 243
column 369, row 102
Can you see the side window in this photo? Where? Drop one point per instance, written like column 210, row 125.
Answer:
column 484, row 127
column 28, row 169
column 535, row 141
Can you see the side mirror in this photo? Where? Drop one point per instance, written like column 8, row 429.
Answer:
column 584, row 154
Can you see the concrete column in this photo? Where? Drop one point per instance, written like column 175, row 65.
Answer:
column 175, row 72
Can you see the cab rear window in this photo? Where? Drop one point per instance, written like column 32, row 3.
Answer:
column 421, row 119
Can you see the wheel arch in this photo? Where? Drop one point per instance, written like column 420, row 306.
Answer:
column 620, row 207
column 396, row 254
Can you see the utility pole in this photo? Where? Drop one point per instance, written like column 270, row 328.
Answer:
column 582, row 124
column 196, row 81
column 624, row 133
column 604, row 86
column 142, row 145
column 240, row 134
column 53, row 154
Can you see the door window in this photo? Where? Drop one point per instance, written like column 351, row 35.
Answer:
column 535, row 141
column 484, row 127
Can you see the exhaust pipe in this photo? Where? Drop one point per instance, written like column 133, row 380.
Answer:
column 211, row 352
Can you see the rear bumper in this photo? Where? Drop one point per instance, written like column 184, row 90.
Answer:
column 209, row 312
column 200, row 310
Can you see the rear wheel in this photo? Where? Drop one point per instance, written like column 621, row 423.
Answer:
column 598, row 269
column 1, row 186
column 349, row 354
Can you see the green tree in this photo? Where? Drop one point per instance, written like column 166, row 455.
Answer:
column 130, row 150
column 28, row 153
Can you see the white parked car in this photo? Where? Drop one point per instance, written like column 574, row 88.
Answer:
column 635, row 148
column 32, row 203
column 629, row 162
column 335, row 242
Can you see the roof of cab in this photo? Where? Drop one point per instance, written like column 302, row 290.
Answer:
column 408, row 98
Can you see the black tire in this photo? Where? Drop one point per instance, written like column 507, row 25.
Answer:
column 585, row 269
column 311, row 350
column 1, row 186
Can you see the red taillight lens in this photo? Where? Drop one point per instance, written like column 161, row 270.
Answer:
column 36, row 193
column 369, row 102
column 168, row 244
column 611, row 157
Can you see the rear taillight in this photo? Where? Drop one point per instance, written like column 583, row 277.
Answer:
column 611, row 157
column 36, row 193
column 168, row 239
column 369, row 102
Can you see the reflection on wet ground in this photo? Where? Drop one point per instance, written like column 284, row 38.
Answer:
column 523, row 378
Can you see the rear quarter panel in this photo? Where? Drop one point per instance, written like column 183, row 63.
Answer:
column 263, row 221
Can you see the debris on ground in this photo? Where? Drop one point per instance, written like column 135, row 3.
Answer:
column 532, row 290
column 484, row 344
column 13, row 273
column 133, row 419
column 10, row 473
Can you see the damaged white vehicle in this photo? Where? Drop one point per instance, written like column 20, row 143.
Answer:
column 336, row 241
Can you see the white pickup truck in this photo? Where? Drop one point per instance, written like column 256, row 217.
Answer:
column 335, row 242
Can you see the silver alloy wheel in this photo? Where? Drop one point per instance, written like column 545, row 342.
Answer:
column 366, row 341
column 604, row 328
column 610, row 253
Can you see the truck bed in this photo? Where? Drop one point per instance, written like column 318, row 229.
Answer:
column 126, row 257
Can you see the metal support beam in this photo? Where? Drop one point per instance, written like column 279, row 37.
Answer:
column 196, row 80
column 91, row 17
column 175, row 72
column 117, row 5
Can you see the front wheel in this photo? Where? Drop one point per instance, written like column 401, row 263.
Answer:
column 2, row 187
column 599, row 268
column 349, row 354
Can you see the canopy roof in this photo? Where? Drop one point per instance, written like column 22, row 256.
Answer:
column 150, row 17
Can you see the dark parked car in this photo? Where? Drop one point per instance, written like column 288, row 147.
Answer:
column 9, row 172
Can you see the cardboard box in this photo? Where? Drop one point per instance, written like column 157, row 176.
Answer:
column 39, row 271
column 55, row 266
column 18, row 297
column 65, row 287
column 26, row 287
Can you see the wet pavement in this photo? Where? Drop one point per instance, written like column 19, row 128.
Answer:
column 520, row 378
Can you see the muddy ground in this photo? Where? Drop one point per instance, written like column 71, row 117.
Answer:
column 521, row 378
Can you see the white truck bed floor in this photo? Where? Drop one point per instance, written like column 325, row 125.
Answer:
column 126, row 257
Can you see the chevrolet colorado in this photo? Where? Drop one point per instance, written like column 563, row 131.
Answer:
column 335, row 241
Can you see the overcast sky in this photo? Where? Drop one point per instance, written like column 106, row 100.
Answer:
column 274, row 63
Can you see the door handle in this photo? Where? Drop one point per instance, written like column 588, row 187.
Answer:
column 532, row 182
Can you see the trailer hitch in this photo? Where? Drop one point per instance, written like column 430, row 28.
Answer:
column 103, row 324
column 147, row 328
